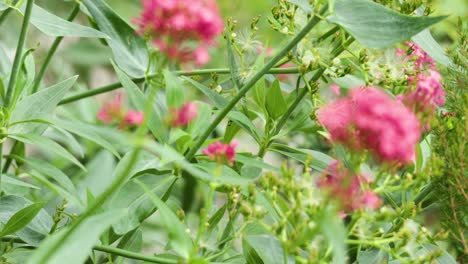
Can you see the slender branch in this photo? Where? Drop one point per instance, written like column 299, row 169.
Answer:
column 112, row 250
column 247, row 86
column 133, row 255
column 19, row 53
column 51, row 52
column 117, row 85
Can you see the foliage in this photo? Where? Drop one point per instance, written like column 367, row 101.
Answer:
column 334, row 132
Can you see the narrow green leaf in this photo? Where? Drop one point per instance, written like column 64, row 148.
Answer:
column 76, row 127
column 128, row 48
column 36, row 230
column 219, row 101
column 48, row 170
column 267, row 248
column 80, row 242
column 174, row 90
column 38, row 106
column 21, row 219
column 55, row 26
column 138, row 100
column 426, row 42
column 335, row 233
column 46, row 144
column 179, row 239
column 275, row 104
column 376, row 26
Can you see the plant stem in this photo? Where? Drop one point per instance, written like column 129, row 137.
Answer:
column 112, row 250
column 247, row 86
column 117, row 85
column 19, row 53
column 133, row 255
column 51, row 52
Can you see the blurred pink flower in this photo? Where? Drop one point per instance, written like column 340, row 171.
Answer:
column 425, row 93
column 345, row 187
column 221, row 153
column 369, row 119
column 134, row 117
column 417, row 55
column 175, row 25
column 114, row 111
column 111, row 110
column 335, row 89
column 182, row 116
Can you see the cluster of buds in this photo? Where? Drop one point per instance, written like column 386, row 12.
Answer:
column 181, row 29
column 114, row 112
column 222, row 153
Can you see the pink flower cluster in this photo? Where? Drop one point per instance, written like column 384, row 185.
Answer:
column 368, row 119
column 345, row 187
column 182, row 116
column 178, row 25
column 221, row 153
column 113, row 111
column 425, row 91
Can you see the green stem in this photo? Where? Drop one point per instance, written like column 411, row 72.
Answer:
column 109, row 249
column 247, row 86
column 51, row 52
column 328, row 34
column 117, row 85
column 133, row 255
column 19, row 53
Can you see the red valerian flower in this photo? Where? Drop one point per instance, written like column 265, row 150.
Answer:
column 345, row 187
column 114, row 111
column 182, row 116
column 368, row 119
column 221, row 153
column 182, row 29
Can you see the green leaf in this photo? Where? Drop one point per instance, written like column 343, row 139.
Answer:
column 55, row 26
column 318, row 160
column 128, row 48
column 226, row 176
column 243, row 121
column 335, row 233
column 36, row 229
column 373, row 255
column 219, row 101
column 138, row 202
column 18, row 255
column 38, row 106
column 275, row 104
column 180, row 241
column 426, row 42
column 21, row 219
column 445, row 257
column 174, row 90
column 50, row 171
column 139, row 100
column 80, row 242
column 132, row 241
column 376, row 26
column 303, row 4
column 78, row 128
column 267, row 248
column 7, row 180
column 48, row 145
